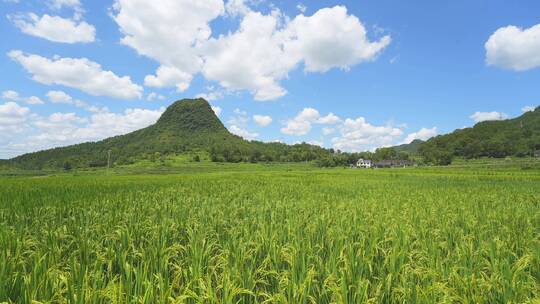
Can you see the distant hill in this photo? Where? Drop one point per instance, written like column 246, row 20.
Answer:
column 513, row 137
column 411, row 148
column 187, row 125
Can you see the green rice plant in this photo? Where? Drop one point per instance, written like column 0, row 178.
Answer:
column 272, row 236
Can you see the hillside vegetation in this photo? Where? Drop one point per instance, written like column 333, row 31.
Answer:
column 190, row 126
column 187, row 125
column 513, row 137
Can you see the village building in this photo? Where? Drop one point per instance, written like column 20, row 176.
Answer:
column 393, row 163
column 364, row 163
column 537, row 153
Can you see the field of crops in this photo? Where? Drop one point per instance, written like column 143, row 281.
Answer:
column 272, row 236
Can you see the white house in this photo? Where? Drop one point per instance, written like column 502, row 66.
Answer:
column 364, row 163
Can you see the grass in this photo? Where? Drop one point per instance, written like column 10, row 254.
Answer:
column 274, row 234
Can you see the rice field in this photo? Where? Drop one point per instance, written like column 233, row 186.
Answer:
column 272, row 236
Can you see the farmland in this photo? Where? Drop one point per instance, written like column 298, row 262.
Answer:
column 272, row 235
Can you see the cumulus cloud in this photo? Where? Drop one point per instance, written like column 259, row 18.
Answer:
column 514, row 48
column 483, row 116
column 359, row 135
column 59, row 97
column 153, row 96
column 107, row 124
column 422, row 134
column 236, row 8
column 12, row 114
column 238, row 125
column 167, row 76
column 239, row 119
column 301, row 7
column 78, row 73
column 217, row 110
column 332, row 38
column 168, row 31
column 527, row 109
column 329, row 39
column 264, row 61
column 34, row 100
column 14, row 96
column 55, row 28
column 212, row 94
column 60, row 129
column 262, row 120
column 328, row 131
column 62, row 97
column 58, row 4
column 177, row 34
column 243, row 132
column 11, row 95
column 329, row 119
column 302, row 123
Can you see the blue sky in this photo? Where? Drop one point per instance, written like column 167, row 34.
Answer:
column 352, row 75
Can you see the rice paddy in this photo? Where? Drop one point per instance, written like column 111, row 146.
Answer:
column 272, row 236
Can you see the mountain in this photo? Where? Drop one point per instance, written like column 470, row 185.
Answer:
column 187, row 125
column 513, row 137
column 411, row 148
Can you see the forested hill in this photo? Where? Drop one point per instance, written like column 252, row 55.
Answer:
column 411, row 148
column 187, row 125
column 513, row 137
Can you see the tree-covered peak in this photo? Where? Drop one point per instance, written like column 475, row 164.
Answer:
column 192, row 115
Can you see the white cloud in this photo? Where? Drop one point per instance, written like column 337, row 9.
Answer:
column 301, row 124
column 262, row 120
column 60, row 129
column 528, row 109
column 328, row 131
column 243, row 132
column 58, row 4
column 212, row 94
column 264, row 61
column 217, row 110
column 329, row 39
column 329, row 119
column 359, row 135
column 34, row 100
column 62, row 97
column 59, row 121
column 236, row 8
column 483, row 116
column 11, row 95
column 238, row 125
column 107, row 124
column 12, row 113
column 169, row 31
column 153, row 96
column 167, row 76
column 55, row 28
column 514, row 48
column 423, row 134
column 78, row 73
column 332, row 38
column 240, row 119
column 315, row 143
column 301, row 7
column 59, row 97
column 177, row 35
column 14, row 96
